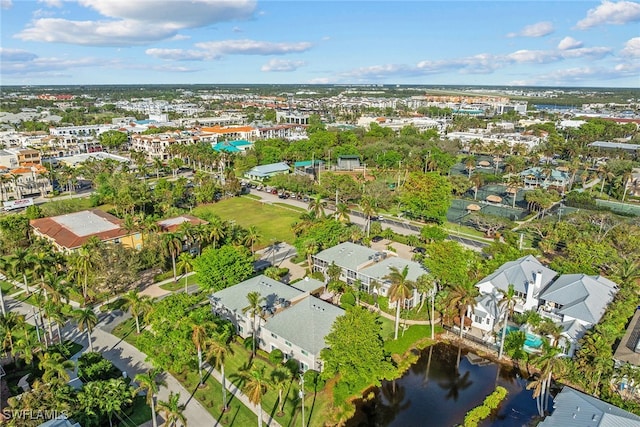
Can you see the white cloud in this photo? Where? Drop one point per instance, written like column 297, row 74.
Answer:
column 212, row 50
column 533, row 56
column 616, row 13
column 6, row 4
column 94, row 33
column 632, row 48
column 37, row 66
column 182, row 14
column 179, row 54
column 11, row 55
column 539, row 29
column 135, row 22
column 252, row 47
column 51, row 3
column 569, row 43
column 236, row 30
column 282, row 65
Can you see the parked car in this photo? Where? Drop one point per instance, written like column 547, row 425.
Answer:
column 418, row 250
column 376, row 239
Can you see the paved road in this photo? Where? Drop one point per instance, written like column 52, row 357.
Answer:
column 126, row 358
column 399, row 226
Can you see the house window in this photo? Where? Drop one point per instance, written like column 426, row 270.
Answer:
column 288, row 343
column 304, row 352
column 240, row 330
column 477, row 319
column 273, row 347
column 274, row 335
column 304, row 367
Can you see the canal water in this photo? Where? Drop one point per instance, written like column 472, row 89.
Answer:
column 433, row 392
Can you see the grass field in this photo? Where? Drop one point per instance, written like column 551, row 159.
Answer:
column 272, row 222
column 316, row 405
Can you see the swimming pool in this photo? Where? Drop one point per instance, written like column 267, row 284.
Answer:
column 532, row 341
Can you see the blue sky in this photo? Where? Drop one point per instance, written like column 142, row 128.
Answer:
column 532, row 43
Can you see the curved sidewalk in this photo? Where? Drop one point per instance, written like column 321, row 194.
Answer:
column 392, row 317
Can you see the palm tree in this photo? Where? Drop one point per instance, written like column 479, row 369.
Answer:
column 217, row 350
column 137, row 305
column 256, row 387
column 199, row 337
column 317, row 205
column 172, row 410
column 401, row 289
column 27, row 346
column 506, row 303
column 157, row 164
column 254, row 309
column 470, row 164
column 173, row 246
column 515, row 183
column 547, row 361
column 310, row 247
column 185, row 266
column 462, row 297
column 426, row 284
column 280, row 380
column 21, row 261
column 86, row 319
column 10, row 323
column 55, row 365
column 217, row 230
column 477, row 180
column 55, row 287
column 82, row 263
column 251, row 237
column 367, row 205
column 342, row 213
column 149, row 384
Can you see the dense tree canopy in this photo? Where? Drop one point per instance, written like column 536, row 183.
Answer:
column 426, row 196
column 217, row 269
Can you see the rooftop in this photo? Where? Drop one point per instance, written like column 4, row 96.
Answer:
column 234, row 298
column 519, row 273
column 172, row 224
column 347, row 255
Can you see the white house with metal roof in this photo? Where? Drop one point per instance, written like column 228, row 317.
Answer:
column 370, row 267
column 576, row 409
column 262, row 172
column 575, row 302
column 292, row 320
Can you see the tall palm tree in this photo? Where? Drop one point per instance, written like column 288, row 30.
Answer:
column 56, row 366
column 548, row 361
column 217, row 350
column 280, row 380
column 21, row 261
column 86, row 320
column 217, row 230
column 27, row 347
column 367, row 205
column 462, row 297
column 251, row 237
column 138, row 305
column 257, row 385
column 254, row 309
column 149, row 383
column 427, row 285
column 310, row 247
column 173, row 246
column 199, row 338
column 185, row 266
column 82, row 263
column 10, row 323
column 172, row 410
column 470, row 164
column 401, row 288
column 506, row 303
column 477, row 180
column 56, row 288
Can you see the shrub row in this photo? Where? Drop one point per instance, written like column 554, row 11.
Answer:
column 491, row 402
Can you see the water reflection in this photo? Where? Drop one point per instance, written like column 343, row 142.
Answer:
column 435, row 391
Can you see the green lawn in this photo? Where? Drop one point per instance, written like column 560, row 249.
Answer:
column 273, row 222
column 316, row 407
column 8, row 288
column 171, row 286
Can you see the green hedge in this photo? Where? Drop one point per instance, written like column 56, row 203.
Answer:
column 491, row 402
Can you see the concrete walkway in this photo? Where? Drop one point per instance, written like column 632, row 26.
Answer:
column 392, row 317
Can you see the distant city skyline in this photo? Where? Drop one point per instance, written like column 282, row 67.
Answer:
column 517, row 43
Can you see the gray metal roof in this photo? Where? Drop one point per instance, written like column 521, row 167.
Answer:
column 382, row 268
column 519, row 273
column 582, row 297
column 234, row 298
column 575, row 409
column 573, row 329
column 305, row 323
column 308, row 284
column 268, row 169
column 614, row 145
column 347, row 255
